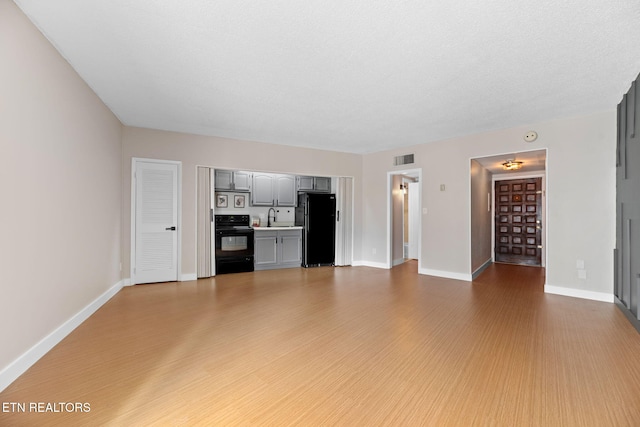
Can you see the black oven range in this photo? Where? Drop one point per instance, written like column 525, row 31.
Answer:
column 234, row 244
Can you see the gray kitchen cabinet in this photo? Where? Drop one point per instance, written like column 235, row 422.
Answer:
column 277, row 249
column 262, row 191
column 290, row 248
column 223, row 180
column 319, row 184
column 285, row 188
column 305, row 183
column 265, row 250
column 228, row 180
column 242, row 181
column 323, row 184
column 273, row 190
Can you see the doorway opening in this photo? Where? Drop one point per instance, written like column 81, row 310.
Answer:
column 213, row 199
column 502, row 201
column 404, row 205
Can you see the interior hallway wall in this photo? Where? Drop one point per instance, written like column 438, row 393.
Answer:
column 60, row 183
column 580, row 176
column 481, row 218
column 223, row 153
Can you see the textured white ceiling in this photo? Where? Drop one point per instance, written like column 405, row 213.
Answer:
column 350, row 75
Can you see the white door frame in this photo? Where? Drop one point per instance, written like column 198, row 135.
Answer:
column 390, row 175
column 413, row 218
column 134, row 162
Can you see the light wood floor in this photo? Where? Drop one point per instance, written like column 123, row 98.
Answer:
column 351, row 346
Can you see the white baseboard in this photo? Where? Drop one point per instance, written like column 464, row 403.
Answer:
column 480, row 269
column 398, row 261
column 446, row 274
column 578, row 293
column 370, row 264
column 426, row 271
column 31, row 356
column 182, row 278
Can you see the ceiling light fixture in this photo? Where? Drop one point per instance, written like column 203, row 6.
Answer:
column 511, row 165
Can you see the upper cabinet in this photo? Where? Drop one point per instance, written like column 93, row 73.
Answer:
column 226, row 180
column 319, row 184
column 262, row 194
column 285, row 187
column 271, row 189
column 242, row 181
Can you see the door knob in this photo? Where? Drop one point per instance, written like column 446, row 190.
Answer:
column 170, row 228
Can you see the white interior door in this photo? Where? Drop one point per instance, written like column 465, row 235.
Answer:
column 414, row 217
column 156, row 221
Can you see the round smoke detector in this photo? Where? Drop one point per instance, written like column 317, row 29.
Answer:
column 531, row 136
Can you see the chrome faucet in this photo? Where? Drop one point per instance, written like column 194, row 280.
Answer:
column 269, row 217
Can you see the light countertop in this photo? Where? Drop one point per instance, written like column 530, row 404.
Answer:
column 294, row 227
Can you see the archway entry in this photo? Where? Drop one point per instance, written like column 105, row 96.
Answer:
column 487, row 233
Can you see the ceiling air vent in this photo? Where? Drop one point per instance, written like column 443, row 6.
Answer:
column 403, row 160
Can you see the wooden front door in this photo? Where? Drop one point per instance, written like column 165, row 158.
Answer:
column 518, row 219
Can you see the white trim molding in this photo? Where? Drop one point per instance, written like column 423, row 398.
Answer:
column 398, row 261
column 188, row 277
column 372, row 264
column 578, row 293
column 446, row 274
column 482, row 268
column 31, row 356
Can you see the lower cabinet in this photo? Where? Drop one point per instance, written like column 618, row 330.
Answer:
column 277, row 249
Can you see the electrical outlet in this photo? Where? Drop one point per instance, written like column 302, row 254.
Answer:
column 373, row 251
column 441, row 187
column 580, row 264
column 582, row 274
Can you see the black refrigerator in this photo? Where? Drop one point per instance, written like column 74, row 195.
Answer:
column 316, row 213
